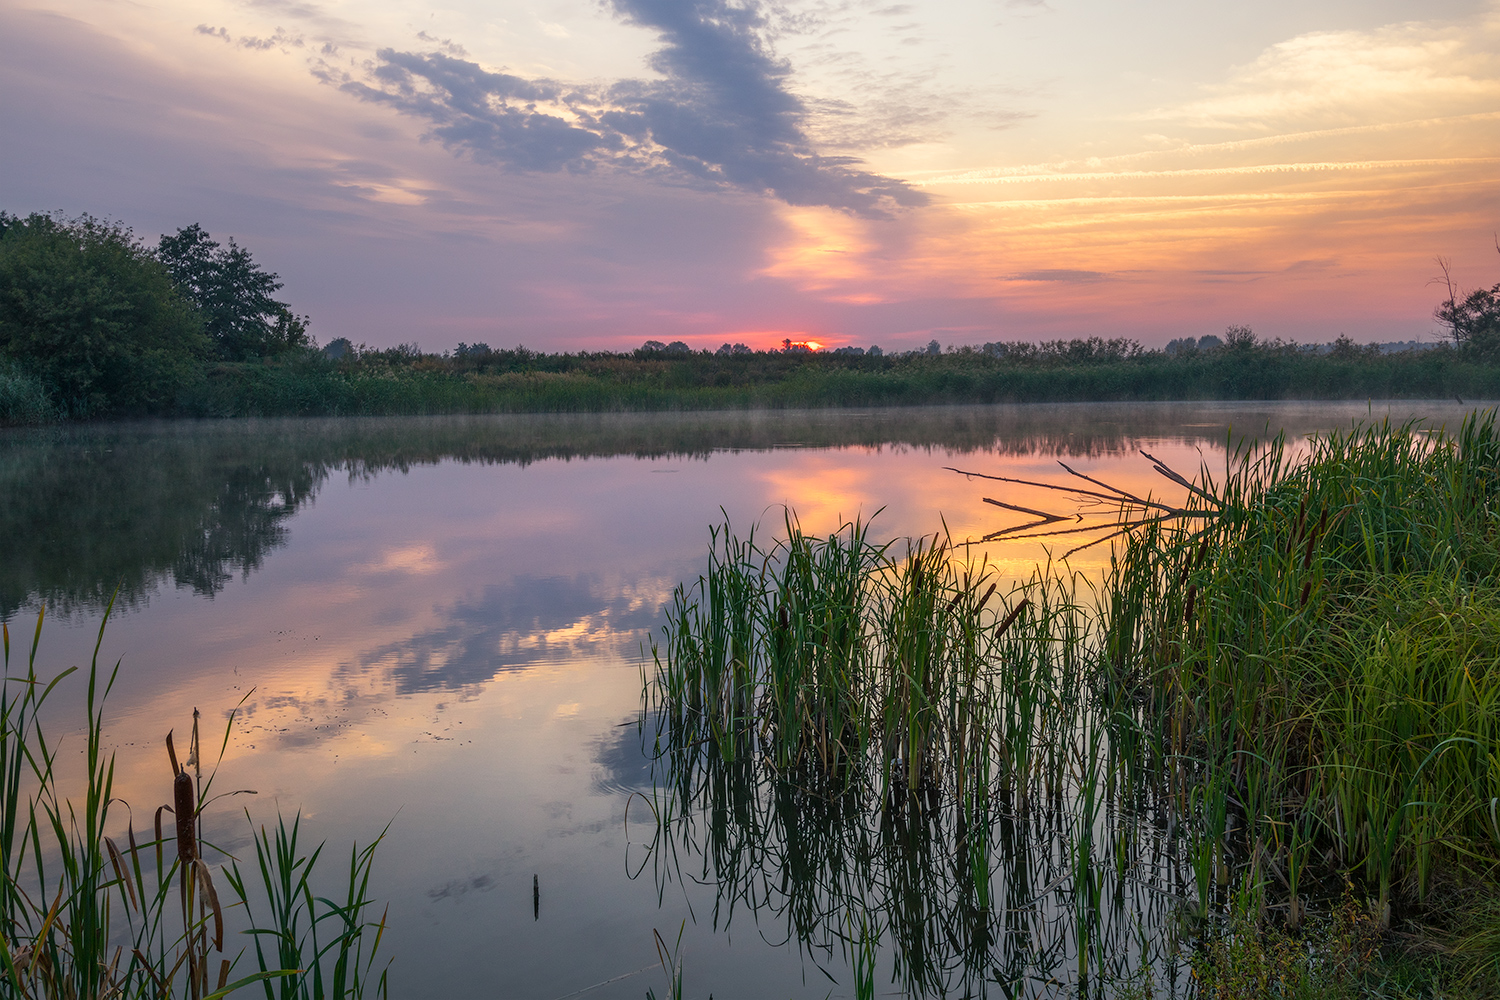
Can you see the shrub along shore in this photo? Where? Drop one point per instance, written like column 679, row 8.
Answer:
column 404, row 381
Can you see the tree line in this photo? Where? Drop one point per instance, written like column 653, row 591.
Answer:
column 96, row 322
column 102, row 323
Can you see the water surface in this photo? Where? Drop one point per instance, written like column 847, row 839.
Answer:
column 439, row 623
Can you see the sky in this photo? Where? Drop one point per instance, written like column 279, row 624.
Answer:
column 589, row 174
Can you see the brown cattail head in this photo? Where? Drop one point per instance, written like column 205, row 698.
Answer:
column 1312, row 539
column 987, row 595
column 1187, row 614
column 185, row 808
column 1010, row 618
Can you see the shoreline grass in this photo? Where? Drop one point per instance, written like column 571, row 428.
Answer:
column 404, row 381
column 1289, row 687
column 536, row 383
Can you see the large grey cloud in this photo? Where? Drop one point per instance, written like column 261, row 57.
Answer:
column 723, row 113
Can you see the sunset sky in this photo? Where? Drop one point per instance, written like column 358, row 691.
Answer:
column 587, row 174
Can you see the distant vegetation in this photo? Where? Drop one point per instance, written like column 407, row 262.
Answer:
column 94, row 323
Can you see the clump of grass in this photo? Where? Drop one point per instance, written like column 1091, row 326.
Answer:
column 82, row 917
column 872, row 747
column 23, row 397
column 828, row 654
column 1328, row 647
column 1332, row 960
column 331, row 944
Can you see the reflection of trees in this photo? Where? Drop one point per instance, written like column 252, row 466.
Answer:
column 87, row 508
column 82, row 514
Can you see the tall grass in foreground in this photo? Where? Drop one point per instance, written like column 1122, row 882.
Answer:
column 83, row 918
column 1328, row 648
column 1289, row 685
column 831, row 656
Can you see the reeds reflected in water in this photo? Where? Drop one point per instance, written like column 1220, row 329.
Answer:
column 1291, row 682
column 866, row 747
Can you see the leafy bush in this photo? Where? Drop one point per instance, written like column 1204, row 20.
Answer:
column 94, row 315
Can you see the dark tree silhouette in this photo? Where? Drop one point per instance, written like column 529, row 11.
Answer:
column 1472, row 318
column 233, row 295
column 94, row 315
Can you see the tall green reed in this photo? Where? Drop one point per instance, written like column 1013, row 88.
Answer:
column 1324, row 651
column 1291, row 677
column 844, row 730
column 83, row 918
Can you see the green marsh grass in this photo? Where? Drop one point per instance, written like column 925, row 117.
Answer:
column 1327, row 649
column 871, row 744
column 84, row 916
column 1287, row 684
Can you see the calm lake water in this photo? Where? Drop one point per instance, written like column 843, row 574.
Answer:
column 439, row 624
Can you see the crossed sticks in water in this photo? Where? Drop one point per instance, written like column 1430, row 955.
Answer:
column 1153, row 511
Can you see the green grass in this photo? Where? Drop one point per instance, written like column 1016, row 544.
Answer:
column 833, row 656
column 1331, row 643
column 1289, row 685
column 524, row 381
column 23, row 397
column 83, row 917
column 403, row 381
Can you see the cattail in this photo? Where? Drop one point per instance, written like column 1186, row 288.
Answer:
column 1313, row 538
column 1010, row 618
column 185, row 808
column 1187, row 615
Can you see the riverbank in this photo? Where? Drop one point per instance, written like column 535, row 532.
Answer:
column 405, row 382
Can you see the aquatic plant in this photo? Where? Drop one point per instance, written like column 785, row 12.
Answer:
column 82, row 917
column 1328, row 646
column 1289, row 680
column 872, row 748
column 827, row 654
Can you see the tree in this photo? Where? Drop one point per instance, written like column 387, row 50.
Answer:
column 1472, row 318
column 88, row 309
column 233, row 295
column 1239, row 338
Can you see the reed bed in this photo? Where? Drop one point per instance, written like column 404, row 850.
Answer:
column 877, row 747
column 87, row 915
column 834, row 657
column 1276, row 714
column 1324, row 654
